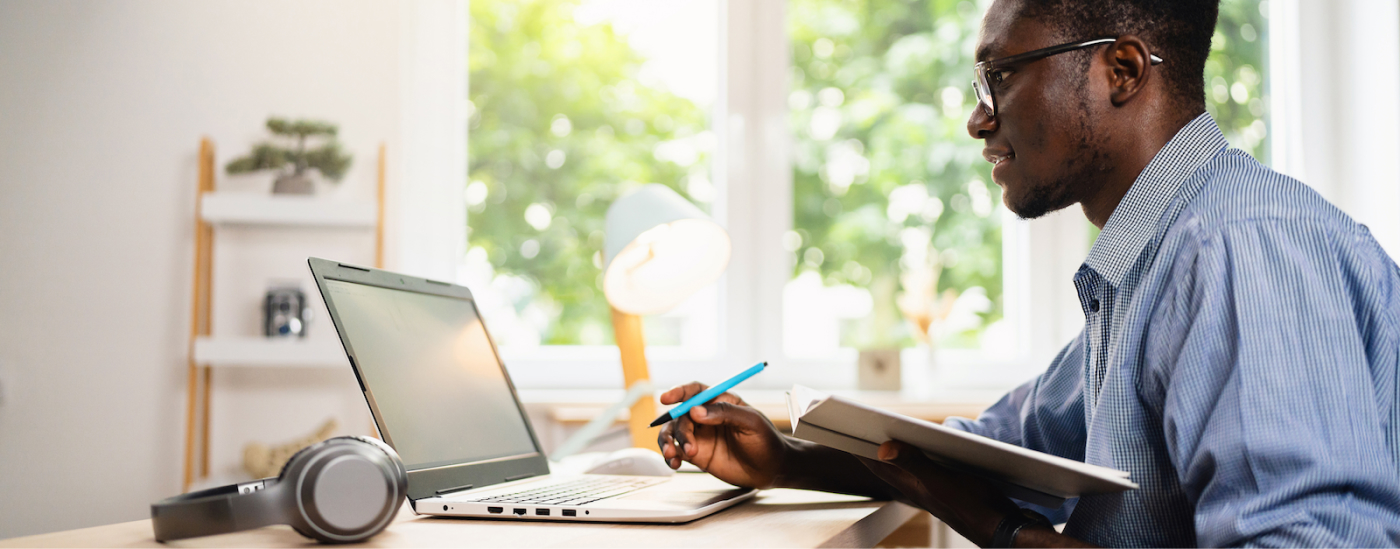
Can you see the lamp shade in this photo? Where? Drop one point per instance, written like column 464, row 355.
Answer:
column 658, row 249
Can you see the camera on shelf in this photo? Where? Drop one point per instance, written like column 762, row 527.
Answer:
column 285, row 312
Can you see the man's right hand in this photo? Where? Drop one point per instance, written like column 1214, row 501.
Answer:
column 725, row 437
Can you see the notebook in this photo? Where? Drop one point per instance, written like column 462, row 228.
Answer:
column 1019, row 473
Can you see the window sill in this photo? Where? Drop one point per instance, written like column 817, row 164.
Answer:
column 572, row 368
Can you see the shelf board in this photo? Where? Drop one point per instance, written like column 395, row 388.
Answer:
column 263, row 352
column 302, row 211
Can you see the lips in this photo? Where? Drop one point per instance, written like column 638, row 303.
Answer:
column 999, row 159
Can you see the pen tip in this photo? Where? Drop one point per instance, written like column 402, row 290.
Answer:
column 663, row 419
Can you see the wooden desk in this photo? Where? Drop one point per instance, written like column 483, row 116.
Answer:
column 775, row 518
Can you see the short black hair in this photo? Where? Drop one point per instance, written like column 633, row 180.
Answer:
column 1178, row 31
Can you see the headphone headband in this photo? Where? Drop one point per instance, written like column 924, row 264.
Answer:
column 366, row 469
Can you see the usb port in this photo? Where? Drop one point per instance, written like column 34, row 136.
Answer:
column 570, row 513
column 495, row 510
column 518, row 511
column 542, row 512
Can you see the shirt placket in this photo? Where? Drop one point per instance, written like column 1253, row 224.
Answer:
column 1095, row 298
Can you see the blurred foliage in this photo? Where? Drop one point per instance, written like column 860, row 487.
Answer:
column 882, row 164
column 1237, row 92
column 559, row 128
column 290, row 149
column 879, row 106
column 879, row 100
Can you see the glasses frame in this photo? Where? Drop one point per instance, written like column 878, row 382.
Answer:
column 981, row 84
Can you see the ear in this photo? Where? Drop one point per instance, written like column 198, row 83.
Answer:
column 1130, row 68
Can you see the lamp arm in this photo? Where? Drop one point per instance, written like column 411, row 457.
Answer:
column 595, row 427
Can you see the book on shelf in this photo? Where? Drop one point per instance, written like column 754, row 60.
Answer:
column 1020, row 473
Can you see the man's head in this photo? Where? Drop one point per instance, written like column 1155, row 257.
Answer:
column 1066, row 125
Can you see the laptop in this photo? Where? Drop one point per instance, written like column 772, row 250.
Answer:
column 442, row 398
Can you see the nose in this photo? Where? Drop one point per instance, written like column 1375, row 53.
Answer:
column 979, row 125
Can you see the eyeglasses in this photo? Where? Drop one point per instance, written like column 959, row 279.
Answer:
column 989, row 72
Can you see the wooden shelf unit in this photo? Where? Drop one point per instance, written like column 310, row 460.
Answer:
column 287, row 211
column 235, row 352
column 207, row 352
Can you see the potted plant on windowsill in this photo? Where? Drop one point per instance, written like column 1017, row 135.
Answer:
column 922, row 305
column 879, row 339
column 288, row 153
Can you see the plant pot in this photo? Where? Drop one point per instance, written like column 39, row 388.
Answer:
column 293, row 184
column 878, row 370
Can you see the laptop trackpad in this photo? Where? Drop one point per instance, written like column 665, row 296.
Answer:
column 690, row 500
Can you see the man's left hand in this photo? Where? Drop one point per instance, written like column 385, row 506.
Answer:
column 966, row 503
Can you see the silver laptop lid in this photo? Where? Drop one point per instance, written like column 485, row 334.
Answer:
column 433, row 380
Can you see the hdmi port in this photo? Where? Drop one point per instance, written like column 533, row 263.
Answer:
column 495, row 510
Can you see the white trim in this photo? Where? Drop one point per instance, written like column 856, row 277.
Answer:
column 1349, row 107
column 1372, row 166
column 751, row 119
column 1285, row 89
column 425, row 203
column 229, row 208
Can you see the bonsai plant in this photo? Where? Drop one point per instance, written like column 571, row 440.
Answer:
column 288, row 152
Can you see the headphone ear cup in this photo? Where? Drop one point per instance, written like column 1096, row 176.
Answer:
column 347, row 491
column 302, row 452
column 306, row 533
column 397, row 462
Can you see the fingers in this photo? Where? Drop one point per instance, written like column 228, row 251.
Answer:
column 668, row 450
column 726, row 413
column 675, row 441
column 682, row 393
column 684, row 434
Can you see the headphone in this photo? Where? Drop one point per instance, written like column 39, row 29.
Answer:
column 340, row 490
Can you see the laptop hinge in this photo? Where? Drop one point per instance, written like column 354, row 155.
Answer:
column 455, row 489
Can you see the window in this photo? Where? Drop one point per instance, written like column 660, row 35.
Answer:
column 1237, row 92
column 897, row 225
column 826, row 135
column 572, row 105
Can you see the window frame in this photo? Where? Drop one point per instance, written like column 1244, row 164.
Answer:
column 753, row 176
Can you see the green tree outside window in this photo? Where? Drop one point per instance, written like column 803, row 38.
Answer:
column 890, row 194
column 560, row 126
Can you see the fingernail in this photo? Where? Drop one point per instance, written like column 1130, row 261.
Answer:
column 887, row 452
column 700, row 412
column 689, row 449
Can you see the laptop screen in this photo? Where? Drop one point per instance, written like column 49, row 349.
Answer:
column 442, row 394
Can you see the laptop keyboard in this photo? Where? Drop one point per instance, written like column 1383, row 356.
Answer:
column 575, row 492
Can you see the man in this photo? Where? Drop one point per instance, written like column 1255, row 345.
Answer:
column 1242, row 334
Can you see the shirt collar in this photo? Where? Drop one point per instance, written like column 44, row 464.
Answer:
column 1135, row 221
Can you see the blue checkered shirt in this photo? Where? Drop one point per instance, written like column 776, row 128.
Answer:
column 1238, row 359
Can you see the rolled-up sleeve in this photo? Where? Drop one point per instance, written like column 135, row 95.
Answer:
column 1271, row 413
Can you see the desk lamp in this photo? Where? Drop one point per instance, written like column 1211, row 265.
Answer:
column 658, row 249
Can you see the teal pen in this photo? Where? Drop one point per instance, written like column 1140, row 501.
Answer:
column 709, row 394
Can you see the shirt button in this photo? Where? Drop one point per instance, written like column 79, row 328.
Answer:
column 1093, row 305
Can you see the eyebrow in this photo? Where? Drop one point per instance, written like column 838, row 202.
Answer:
column 984, row 52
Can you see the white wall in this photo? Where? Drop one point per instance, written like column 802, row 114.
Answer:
column 1346, row 99
column 102, row 105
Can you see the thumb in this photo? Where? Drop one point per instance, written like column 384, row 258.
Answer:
column 907, row 457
